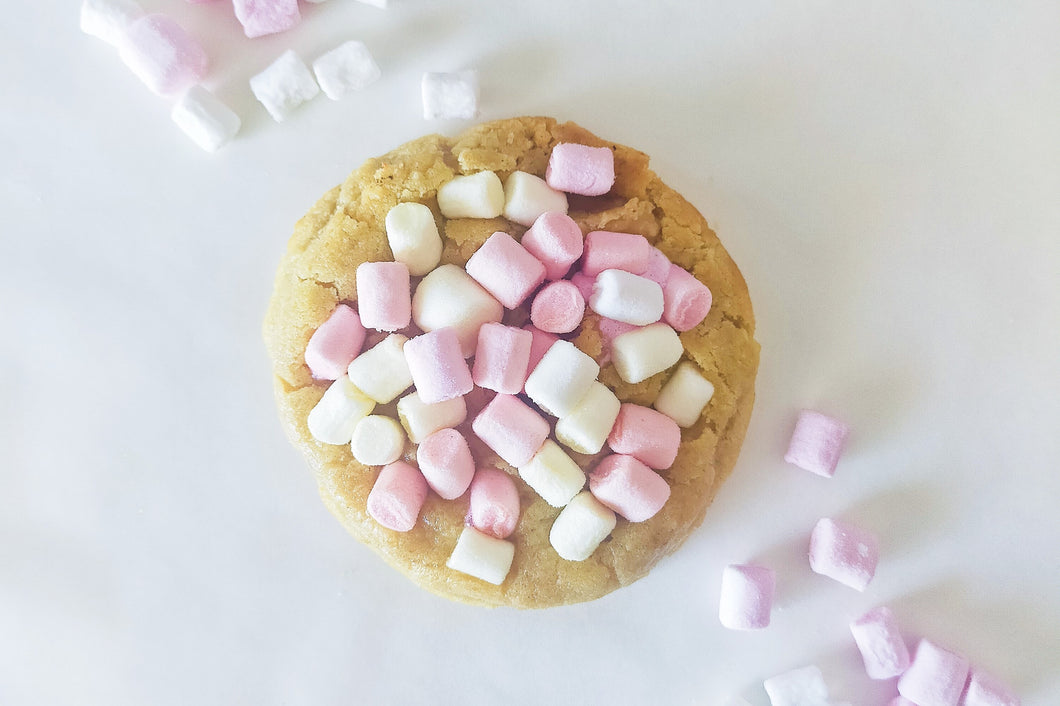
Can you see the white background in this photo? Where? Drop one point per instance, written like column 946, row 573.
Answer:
column 886, row 174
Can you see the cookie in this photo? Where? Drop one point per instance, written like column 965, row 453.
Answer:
column 346, row 228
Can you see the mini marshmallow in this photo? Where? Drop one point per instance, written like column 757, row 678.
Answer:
column 502, row 358
column 799, row 687
column 505, row 269
column 421, row 420
column 659, row 266
column 558, row 307
column 511, row 428
column 584, row 283
column 445, row 460
column 843, row 552
column 438, row 369
column 377, row 440
column 482, row 556
column 629, row 487
column 685, row 395
column 645, row 352
column 580, row 527
column 478, row 195
column 334, row 345
column 553, row 475
column 493, row 505
column 687, row 300
column 162, row 54
column 561, row 379
column 384, row 295
column 205, row 119
column 611, row 329
column 900, row 701
column 556, row 240
column 397, row 496
column 261, row 17
column 450, row 96
column 382, row 372
column 645, row 434
column 626, row 297
column 880, row 643
column 284, row 85
column 540, row 344
column 413, row 237
column 580, row 169
column 448, row 297
column 817, row 443
column 985, row 690
column 935, row 677
column 586, row 428
column 335, row 416
column 345, row 69
column 527, row 196
column 108, row 19
column 606, row 250
column 746, row 597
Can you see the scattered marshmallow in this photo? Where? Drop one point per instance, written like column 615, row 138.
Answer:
column 587, row 427
column 478, row 195
column 611, row 329
column 506, row 269
column 561, row 379
column 108, row 19
column 553, row 475
column 261, row 17
column 502, row 358
column 817, row 443
column 377, row 440
column 985, row 690
column 558, row 307
column 421, row 419
column 382, row 372
column 438, row 368
column 482, row 556
column 900, row 701
column 412, row 234
column 384, row 295
column 162, row 54
column 584, row 283
column 626, row 297
column 843, row 552
column 493, row 505
column 935, row 677
column 335, row 416
column 580, row 169
column 659, row 266
column 629, row 487
column 556, row 240
column 397, row 496
column 540, row 344
column 345, row 69
column 448, row 296
column 450, row 96
column 511, row 428
column 527, row 196
column 645, row 434
column 799, row 687
column 687, row 300
column 284, row 85
column 580, row 527
column 445, row 461
column 746, row 597
column 334, row 345
column 685, row 395
column 880, row 643
column 646, row 351
column 205, row 119
column 606, row 250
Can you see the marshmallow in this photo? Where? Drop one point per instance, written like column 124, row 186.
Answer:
column 335, row 344
column 446, row 463
column 646, row 351
column 478, row 195
column 527, row 196
column 413, row 237
column 382, row 372
column 108, row 19
column 505, row 269
column 799, row 687
column 205, row 119
column 421, row 420
column 985, row 690
column 935, row 677
column 880, row 643
column 493, row 505
column 645, row 434
column 558, row 307
column 482, row 556
column 587, row 427
column 384, row 295
column 347, row 68
column 450, row 95
column 580, row 527
column 511, row 428
column 284, row 85
column 553, row 475
column 817, row 443
column 540, row 344
column 685, row 395
column 605, row 250
column 900, row 701
column 561, row 379
column 556, row 240
column 626, row 297
column 448, row 297
column 629, row 487
column 397, row 496
column 843, row 552
column 584, row 283
column 502, row 358
column 377, row 440
column 659, row 266
column 261, row 17
column 438, row 369
column 162, row 54
column 687, row 300
column 611, row 329
column 335, row 416
column 580, row 169
column 746, row 597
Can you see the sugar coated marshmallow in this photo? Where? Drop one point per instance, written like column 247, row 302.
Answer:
column 607, row 250
column 449, row 96
column 584, row 283
column 261, row 17
column 446, row 463
column 384, row 295
column 482, row 556
column 382, row 372
column 580, row 169
column 659, row 266
column 284, row 85
column 162, row 54
column 556, row 240
column 377, row 440
column 553, row 474
column 985, row 690
column 558, row 307
column 413, row 237
column 817, row 443
column 880, row 642
column 506, row 269
column 645, row 434
column 335, row 416
column 448, row 296
column 580, row 527
column 685, row 395
column 107, row 19
column 539, row 345
column 561, row 379
column 629, row 487
column 844, row 552
column 493, row 504
column 586, row 428
column 502, row 358
column 687, row 300
column 421, row 419
column 335, row 344
column 511, row 428
column 935, row 677
column 345, row 69
column 900, row 701
column 646, row 351
column 746, row 597
column 799, row 687
column 438, row 368
column 397, row 496
column 527, row 196
column 478, row 195
column 626, row 297
column 205, row 119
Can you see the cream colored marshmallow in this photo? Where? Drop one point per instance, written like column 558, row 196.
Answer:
column 413, row 237
column 586, row 428
column 377, row 440
column 381, row 371
column 580, row 527
column 449, row 297
column 626, row 297
column 482, row 556
column 684, row 395
column 553, row 475
column 421, row 420
column 335, row 416
column 644, row 352
column 527, row 196
column 478, row 195
column 561, row 379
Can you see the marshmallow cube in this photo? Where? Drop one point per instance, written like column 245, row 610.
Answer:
column 817, row 443
column 377, row 440
column 580, row 169
column 553, row 475
column 561, row 379
column 397, row 496
column 606, row 250
column 261, row 17
column 511, row 428
column 645, row 434
column 450, row 96
column 284, row 85
column 584, row 283
column 384, row 295
column 880, row 643
column 687, row 300
column 646, row 351
column 799, row 687
column 162, row 54
column 505, row 269
column 746, row 597
column 382, row 372
column 659, row 267
column 478, row 195
column 629, row 487
column 421, row 419
column 502, row 358
column 626, row 297
column 413, row 237
column 586, row 428
column 336, row 415
column 558, row 307
column 448, row 297
column 611, row 329
column 843, row 552
column 438, row 368
column 556, row 240
column 108, row 19
column 334, row 345
column 347, row 68
column 580, row 527
column 446, row 463
column 985, row 690
column 540, row 344
column 936, row 676
column 527, row 196
column 482, row 556
column 493, row 505
column 205, row 119
column 685, row 395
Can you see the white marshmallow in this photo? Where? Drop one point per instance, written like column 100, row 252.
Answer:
column 377, row 440
column 478, row 195
column 381, row 371
column 413, row 237
column 107, row 19
column 448, row 296
column 421, row 419
column 580, row 527
column 684, row 395
column 347, row 68
column 561, row 379
column 626, row 297
column 335, row 416
column 205, row 119
column 643, row 352
column 482, row 556
column 553, row 474
column 586, row 428
column 284, row 85
column 450, row 95
column 799, row 687
column 527, row 196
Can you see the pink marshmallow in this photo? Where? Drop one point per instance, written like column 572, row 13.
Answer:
column 558, row 308
column 605, row 250
column 628, row 487
column 584, row 283
column 494, row 504
column 611, row 329
column 746, row 597
column 648, row 435
column 397, row 496
column 162, row 54
column 506, row 269
column 843, row 552
column 900, row 701
column 935, row 678
column 446, row 463
column 502, row 358
column 580, row 169
column 817, row 443
column 384, row 295
column 556, row 240
column 540, row 344
column 686, row 300
column 511, row 428
column 985, row 690
column 261, row 17
column 438, row 368
column 659, row 266
column 334, row 345
column 881, row 645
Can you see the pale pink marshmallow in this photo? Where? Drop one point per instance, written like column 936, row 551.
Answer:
column 610, row 330
column 542, row 341
column 511, row 428
column 397, row 496
column 746, row 597
column 446, row 463
column 162, row 54
column 502, row 358
column 506, row 269
column 659, row 266
column 493, row 507
column 438, row 368
column 817, row 443
column 558, row 307
column 985, row 690
column 686, row 300
column 900, row 701
column 880, row 642
column 384, row 295
column 628, row 487
column 645, row 434
column 580, row 169
column 584, row 283
column 844, row 552
column 606, row 250
column 261, row 17
column 334, row 345
column 556, row 240
column 935, row 678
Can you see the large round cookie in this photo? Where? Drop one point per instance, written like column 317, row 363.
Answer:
column 345, row 228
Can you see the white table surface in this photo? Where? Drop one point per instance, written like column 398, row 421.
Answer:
column 887, row 176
